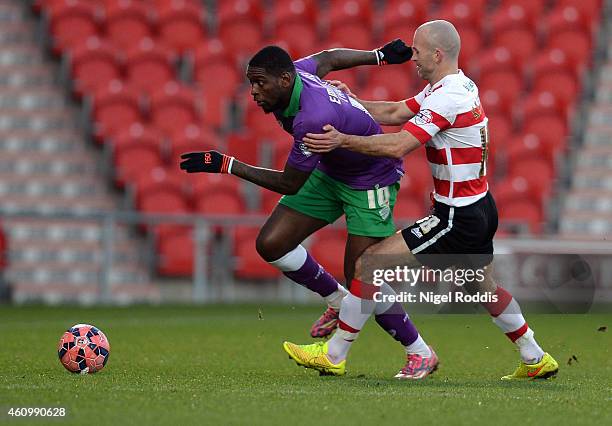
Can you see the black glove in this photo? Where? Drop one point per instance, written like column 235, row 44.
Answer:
column 207, row 162
column 394, row 52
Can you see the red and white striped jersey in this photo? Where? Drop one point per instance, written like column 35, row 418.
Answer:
column 451, row 123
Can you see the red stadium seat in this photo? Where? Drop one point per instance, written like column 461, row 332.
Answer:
column 551, row 130
column 293, row 12
column 249, row 265
column 399, row 15
column 575, row 44
column 299, row 37
column 538, row 104
column 417, row 167
column 71, row 22
column 534, row 7
column 527, row 146
column 511, row 16
column 520, row 42
column 409, row 207
column 498, row 91
column 567, row 18
column 328, row 249
column 561, row 84
column 173, row 108
column 158, row 179
column 538, row 173
column 149, row 66
column 175, row 254
column 163, row 197
column 350, row 23
column 554, row 60
column 240, row 26
column 218, row 200
column 128, row 23
column 463, row 14
column 495, row 59
column 94, row 64
column 180, row 25
column 471, row 45
column 243, row 146
column 192, row 138
column 125, row 171
column 352, row 35
column 515, row 188
column 115, row 109
column 215, row 71
column 521, row 211
column 588, row 8
column 355, row 11
column 397, row 80
column 137, row 135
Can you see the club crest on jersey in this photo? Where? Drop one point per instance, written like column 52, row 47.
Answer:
column 305, row 150
column 423, row 117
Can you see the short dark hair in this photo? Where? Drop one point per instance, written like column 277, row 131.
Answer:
column 274, row 60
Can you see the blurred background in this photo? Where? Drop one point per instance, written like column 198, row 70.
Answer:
column 98, row 98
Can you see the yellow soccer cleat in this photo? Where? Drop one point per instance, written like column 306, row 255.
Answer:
column 546, row 368
column 314, row 356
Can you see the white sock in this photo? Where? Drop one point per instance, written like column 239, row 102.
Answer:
column 531, row 352
column 418, row 347
column 354, row 312
column 335, row 299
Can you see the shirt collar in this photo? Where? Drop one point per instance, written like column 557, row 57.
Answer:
column 445, row 78
column 294, row 103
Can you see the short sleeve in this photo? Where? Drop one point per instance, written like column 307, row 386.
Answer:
column 300, row 157
column 436, row 113
column 414, row 103
column 307, row 64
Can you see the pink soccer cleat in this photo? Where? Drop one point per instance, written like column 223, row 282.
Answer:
column 326, row 323
column 418, row 367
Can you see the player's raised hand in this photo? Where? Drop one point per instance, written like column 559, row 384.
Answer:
column 394, row 52
column 324, row 142
column 342, row 86
column 206, row 162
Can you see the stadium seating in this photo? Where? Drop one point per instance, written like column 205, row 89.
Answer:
column 114, row 109
column 127, row 23
column 167, row 77
column 94, row 64
column 328, row 241
column 248, row 264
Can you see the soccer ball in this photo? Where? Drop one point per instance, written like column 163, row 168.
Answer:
column 83, row 349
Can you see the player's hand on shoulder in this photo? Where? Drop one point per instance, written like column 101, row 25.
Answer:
column 206, row 162
column 342, row 86
column 394, row 52
column 321, row 143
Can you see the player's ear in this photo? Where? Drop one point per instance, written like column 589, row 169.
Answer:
column 286, row 79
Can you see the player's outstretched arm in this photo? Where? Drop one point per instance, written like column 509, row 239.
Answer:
column 394, row 52
column 286, row 182
column 394, row 145
column 389, row 113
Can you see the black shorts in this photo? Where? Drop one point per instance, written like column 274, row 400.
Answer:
column 460, row 236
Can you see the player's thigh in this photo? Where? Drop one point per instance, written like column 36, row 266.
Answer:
column 284, row 230
column 369, row 213
column 387, row 254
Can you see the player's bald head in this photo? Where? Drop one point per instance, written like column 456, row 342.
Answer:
column 441, row 35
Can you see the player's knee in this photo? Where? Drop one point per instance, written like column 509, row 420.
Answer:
column 268, row 247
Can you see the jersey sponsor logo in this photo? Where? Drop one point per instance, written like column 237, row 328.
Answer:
column 417, row 232
column 423, row 117
column 305, row 150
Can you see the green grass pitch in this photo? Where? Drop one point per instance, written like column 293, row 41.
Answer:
column 225, row 365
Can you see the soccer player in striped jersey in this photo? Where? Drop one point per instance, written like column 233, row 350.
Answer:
column 447, row 118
